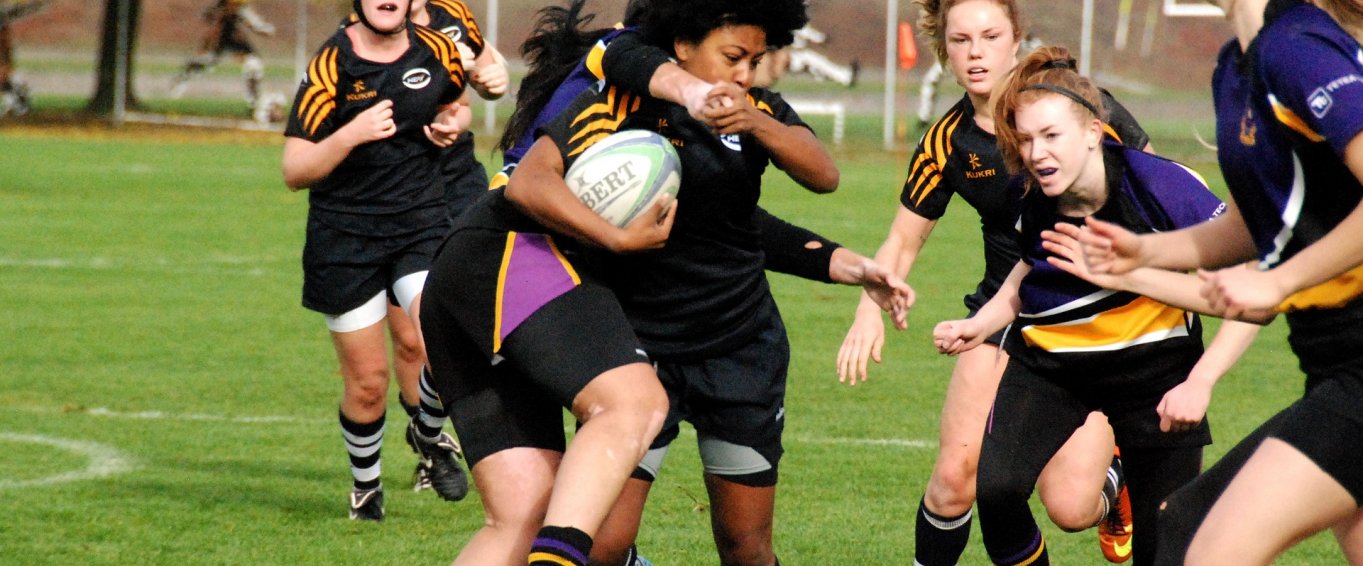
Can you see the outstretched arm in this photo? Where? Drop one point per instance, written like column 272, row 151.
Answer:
column 953, row 337
column 1220, row 242
column 866, row 337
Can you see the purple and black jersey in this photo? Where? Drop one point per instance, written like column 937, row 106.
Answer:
column 1286, row 109
column 1066, row 322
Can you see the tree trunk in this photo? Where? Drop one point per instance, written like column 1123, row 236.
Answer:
column 103, row 100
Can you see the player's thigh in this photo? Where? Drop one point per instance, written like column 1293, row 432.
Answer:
column 1280, row 496
column 970, row 394
column 515, row 485
column 1074, row 476
column 1349, row 533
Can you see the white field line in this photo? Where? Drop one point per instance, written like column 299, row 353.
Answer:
column 103, row 460
column 216, row 264
column 909, row 443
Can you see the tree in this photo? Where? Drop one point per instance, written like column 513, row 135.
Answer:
column 109, row 54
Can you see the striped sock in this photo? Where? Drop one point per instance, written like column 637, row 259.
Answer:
column 363, row 442
column 560, row 546
column 431, row 414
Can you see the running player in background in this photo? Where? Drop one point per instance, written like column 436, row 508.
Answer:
column 979, row 41
column 13, row 92
column 1290, row 137
column 378, row 99
column 1075, row 347
column 463, row 179
column 228, row 21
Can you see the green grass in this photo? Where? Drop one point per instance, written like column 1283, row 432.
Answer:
column 150, row 283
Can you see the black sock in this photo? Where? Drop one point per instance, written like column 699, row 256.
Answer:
column 560, row 546
column 1033, row 555
column 363, row 441
column 408, row 408
column 939, row 541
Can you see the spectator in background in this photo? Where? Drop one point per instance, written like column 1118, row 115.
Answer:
column 228, row 22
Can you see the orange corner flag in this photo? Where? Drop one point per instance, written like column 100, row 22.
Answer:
column 908, row 48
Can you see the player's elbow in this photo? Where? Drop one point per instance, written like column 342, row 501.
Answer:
column 823, row 180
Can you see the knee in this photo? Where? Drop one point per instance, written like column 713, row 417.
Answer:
column 366, row 387
column 744, row 549
column 1072, row 514
column 407, row 349
column 635, row 416
column 951, row 490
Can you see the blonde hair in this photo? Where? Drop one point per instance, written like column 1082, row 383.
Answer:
column 1048, row 70
column 933, row 21
column 1347, row 13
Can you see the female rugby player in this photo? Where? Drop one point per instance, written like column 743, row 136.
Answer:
column 363, row 137
column 1289, row 117
column 1074, row 347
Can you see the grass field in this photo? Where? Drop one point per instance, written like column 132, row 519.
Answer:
column 164, row 399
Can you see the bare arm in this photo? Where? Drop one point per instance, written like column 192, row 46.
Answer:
column 306, row 162
column 793, row 148
column 1220, row 242
column 1185, row 406
column 866, row 336
column 955, row 336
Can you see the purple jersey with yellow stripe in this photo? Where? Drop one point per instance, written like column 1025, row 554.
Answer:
column 1286, row 110
column 1287, row 107
column 1067, row 323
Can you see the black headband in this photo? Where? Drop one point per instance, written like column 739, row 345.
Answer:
column 1059, row 64
column 1068, row 94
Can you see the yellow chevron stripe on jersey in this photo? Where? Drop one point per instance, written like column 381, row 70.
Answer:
column 760, row 105
column 460, row 10
column 1111, row 133
column 1292, row 120
column 926, row 172
column 1142, row 321
column 320, row 99
column 605, row 117
column 446, row 51
column 1331, row 294
column 594, row 60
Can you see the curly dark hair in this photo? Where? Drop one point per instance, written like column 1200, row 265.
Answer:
column 559, row 41
column 692, row 20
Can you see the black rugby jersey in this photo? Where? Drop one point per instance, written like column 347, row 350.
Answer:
column 956, row 156
column 454, row 19
column 705, row 292
column 392, row 175
column 1286, row 110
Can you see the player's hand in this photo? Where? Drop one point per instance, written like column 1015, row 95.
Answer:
column 1108, row 248
column 952, row 337
column 889, row 292
column 729, row 111
column 863, row 342
column 1069, row 256
column 696, row 98
column 1184, row 406
column 650, row 230
column 445, row 129
column 491, row 79
column 373, row 124
column 1242, row 293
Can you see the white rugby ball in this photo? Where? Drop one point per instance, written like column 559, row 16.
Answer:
column 622, row 175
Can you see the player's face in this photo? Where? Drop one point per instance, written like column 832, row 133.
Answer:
column 389, row 15
column 1056, row 140
column 981, row 45
column 729, row 53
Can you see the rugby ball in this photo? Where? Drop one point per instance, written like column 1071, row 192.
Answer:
column 623, row 174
